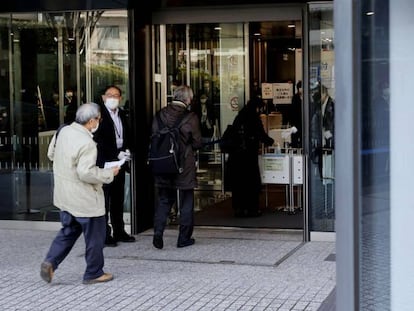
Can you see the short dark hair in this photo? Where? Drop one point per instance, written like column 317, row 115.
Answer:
column 112, row 87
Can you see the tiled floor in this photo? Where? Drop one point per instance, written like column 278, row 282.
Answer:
column 225, row 270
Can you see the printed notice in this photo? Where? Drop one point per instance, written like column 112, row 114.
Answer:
column 114, row 163
column 282, row 93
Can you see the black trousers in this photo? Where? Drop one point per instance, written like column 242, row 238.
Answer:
column 166, row 199
column 245, row 181
column 114, row 205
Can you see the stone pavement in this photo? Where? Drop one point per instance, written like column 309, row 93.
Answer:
column 227, row 269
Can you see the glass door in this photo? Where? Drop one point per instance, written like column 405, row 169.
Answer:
column 211, row 59
column 321, row 87
column 226, row 64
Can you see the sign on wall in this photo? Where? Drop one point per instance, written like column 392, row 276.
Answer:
column 267, row 90
column 282, row 93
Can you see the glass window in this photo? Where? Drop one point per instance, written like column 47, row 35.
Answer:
column 321, row 117
column 50, row 64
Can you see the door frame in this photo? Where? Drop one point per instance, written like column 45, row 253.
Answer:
column 238, row 14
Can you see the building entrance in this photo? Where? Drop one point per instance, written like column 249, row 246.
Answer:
column 227, row 64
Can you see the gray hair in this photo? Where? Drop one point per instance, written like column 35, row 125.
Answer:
column 86, row 112
column 184, row 94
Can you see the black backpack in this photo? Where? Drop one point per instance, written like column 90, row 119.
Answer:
column 165, row 156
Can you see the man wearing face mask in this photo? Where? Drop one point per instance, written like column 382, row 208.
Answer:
column 78, row 194
column 71, row 106
column 112, row 139
column 295, row 116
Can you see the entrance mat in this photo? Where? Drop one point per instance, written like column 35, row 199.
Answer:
column 222, row 214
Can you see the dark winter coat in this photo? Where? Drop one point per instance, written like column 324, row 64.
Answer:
column 244, row 162
column 105, row 137
column 190, row 138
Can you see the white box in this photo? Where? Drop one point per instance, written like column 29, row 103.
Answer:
column 274, row 168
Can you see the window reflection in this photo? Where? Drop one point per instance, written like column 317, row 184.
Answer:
column 321, row 118
column 51, row 63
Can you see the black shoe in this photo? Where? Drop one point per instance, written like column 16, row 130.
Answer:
column 110, row 241
column 124, row 238
column 158, row 242
column 186, row 243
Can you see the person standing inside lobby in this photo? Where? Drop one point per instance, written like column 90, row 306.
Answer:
column 295, row 116
column 243, row 162
column 112, row 139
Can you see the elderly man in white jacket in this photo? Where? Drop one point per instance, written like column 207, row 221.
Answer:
column 79, row 196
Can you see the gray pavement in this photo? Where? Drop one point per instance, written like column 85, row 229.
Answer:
column 227, row 269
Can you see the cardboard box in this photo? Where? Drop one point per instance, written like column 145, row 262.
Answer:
column 272, row 121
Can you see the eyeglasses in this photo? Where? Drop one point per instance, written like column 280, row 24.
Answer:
column 99, row 119
column 113, row 95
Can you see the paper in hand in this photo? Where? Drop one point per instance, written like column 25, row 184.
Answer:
column 114, row 163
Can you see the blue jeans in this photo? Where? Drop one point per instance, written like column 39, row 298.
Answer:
column 94, row 229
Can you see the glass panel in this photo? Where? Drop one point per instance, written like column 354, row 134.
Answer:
column 212, row 57
column 176, row 57
column 322, row 101
column 50, row 64
column 108, row 53
column 217, row 76
column 374, row 211
column 156, row 61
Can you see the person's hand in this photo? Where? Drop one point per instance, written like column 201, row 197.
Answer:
column 115, row 170
column 125, row 155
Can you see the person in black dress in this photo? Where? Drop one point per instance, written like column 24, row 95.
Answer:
column 243, row 165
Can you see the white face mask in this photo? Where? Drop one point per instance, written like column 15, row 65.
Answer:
column 111, row 103
column 93, row 130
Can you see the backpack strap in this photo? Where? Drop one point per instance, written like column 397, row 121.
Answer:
column 58, row 131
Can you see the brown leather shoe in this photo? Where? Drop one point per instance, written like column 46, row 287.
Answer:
column 106, row 277
column 46, row 271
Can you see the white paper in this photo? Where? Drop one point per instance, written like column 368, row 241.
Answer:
column 114, row 163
